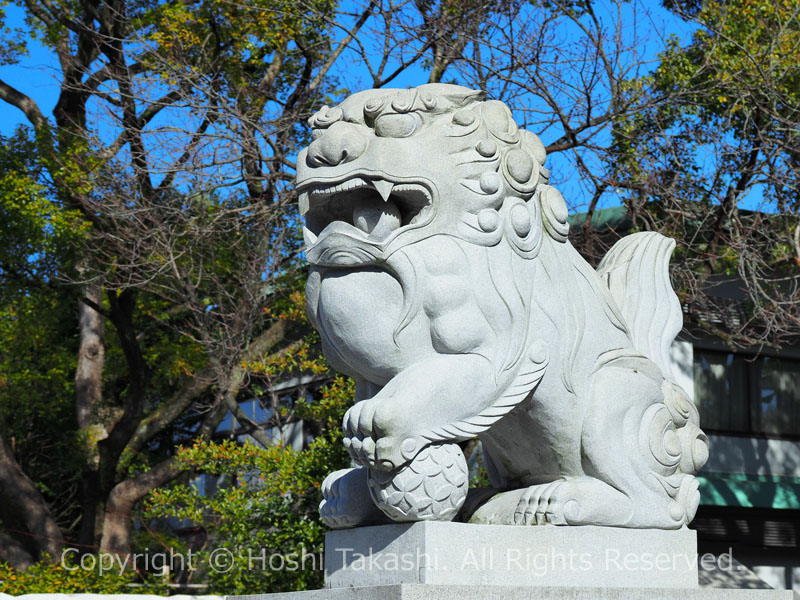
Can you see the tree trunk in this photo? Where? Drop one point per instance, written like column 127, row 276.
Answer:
column 14, row 553
column 88, row 399
column 123, row 498
column 23, row 503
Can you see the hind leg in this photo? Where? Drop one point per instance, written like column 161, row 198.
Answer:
column 640, row 448
column 638, row 439
column 578, row 501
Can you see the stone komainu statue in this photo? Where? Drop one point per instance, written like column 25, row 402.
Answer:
column 443, row 281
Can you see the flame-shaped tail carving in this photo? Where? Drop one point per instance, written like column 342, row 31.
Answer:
column 636, row 271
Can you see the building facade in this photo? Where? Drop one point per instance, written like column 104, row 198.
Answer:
column 749, row 406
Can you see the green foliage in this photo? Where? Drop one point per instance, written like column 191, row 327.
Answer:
column 729, row 118
column 68, row 577
column 37, row 365
column 38, row 339
column 304, row 355
column 12, row 41
column 38, row 233
column 237, row 42
column 480, row 477
column 713, row 162
column 735, row 93
column 262, row 522
column 743, row 44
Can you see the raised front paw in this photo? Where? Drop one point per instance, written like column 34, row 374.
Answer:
column 379, row 436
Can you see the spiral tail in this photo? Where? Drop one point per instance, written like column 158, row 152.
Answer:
column 678, row 449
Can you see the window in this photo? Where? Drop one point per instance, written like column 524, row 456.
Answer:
column 743, row 394
column 720, row 390
column 778, row 409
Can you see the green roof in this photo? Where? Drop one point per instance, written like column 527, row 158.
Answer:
column 615, row 217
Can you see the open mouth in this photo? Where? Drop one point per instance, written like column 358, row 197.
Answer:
column 375, row 207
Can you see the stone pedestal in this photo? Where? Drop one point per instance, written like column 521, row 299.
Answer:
column 498, row 555
column 459, row 561
column 417, row 591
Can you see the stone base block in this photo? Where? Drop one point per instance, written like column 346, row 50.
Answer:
column 496, row 592
column 457, row 554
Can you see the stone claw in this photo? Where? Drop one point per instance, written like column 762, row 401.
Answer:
column 580, row 501
column 540, row 505
column 370, row 438
column 346, row 501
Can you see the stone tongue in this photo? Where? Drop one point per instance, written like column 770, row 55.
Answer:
column 377, row 220
column 384, row 188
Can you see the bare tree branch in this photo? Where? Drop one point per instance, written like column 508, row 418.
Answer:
column 24, row 103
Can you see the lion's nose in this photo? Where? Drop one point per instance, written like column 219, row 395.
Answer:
column 339, row 143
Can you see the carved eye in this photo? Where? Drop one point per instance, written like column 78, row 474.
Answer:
column 397, row 125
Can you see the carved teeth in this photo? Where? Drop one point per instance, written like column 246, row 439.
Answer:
column 384, row 188
column 354, row 203
column 412, row 187
column 351, row 184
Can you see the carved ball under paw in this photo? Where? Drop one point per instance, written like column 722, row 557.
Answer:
column 432, row 487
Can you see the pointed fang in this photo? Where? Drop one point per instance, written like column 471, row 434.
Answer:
column 384, row 188
column 303, row 202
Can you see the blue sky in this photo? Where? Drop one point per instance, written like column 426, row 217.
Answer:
column 38, row 75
